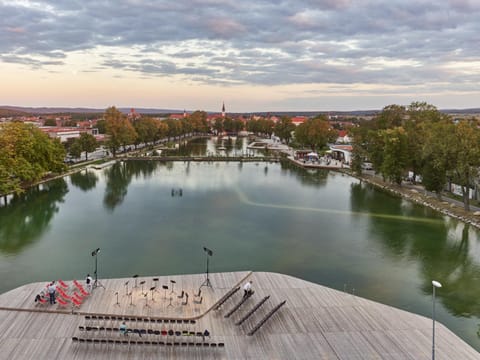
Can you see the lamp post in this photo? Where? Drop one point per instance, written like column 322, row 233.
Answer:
column 95, row 255
column 435, row 284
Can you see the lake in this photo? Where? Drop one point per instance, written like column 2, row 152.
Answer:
column 153, row 218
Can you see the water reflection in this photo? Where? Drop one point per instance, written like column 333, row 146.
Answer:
column 311, row 177
column 215, row 146
column 119, row 176
column 118, row 179
column 26, row 217
column 84, row 180
column 439, row 250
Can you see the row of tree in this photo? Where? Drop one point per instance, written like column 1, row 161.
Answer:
column 420, row 139
column 314, row 133
column 26, row 155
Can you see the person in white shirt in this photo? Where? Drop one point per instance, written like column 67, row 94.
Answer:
column 52, row 288
column 89, row 281
column 247, row 288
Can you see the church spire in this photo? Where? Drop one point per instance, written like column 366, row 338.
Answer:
column 223, row 109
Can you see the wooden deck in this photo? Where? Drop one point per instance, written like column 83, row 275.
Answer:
column 315, row 323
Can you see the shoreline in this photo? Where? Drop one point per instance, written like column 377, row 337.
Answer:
column 412, row 194
column 416, row 194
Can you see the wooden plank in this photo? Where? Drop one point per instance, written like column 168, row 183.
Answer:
column 315, row 323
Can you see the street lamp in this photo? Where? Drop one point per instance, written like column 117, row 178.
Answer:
column 435, row 284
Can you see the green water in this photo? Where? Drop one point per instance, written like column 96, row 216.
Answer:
column 320, row 226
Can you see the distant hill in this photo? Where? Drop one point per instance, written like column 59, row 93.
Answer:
column 66, row 110
column 6, row 111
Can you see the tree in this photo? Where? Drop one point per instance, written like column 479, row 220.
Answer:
column 284, row 129
column 315, row 132
column 395, row 154
column 26, row 155
column 174, row 128
column 391, row 116
column 466, row 157
column 421, row 111
column 218, row 126
column 50, row 122
column 87, row 143
column 75, row 149
column 420, row 116
column 198, row 120
column 101, row 126
column 437, row 155
column 119, row 129
column 146, row 129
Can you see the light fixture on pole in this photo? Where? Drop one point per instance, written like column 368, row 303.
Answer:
column 435, row 284
column 208, row 253
column 96, row 283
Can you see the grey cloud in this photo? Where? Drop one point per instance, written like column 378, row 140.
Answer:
column 34, row 63
column 268, row 42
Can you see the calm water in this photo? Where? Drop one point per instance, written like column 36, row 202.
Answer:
column 319, row 226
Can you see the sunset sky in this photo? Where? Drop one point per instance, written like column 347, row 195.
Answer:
column 256, row 55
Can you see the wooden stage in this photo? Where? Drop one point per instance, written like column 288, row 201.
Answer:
column 315, row 322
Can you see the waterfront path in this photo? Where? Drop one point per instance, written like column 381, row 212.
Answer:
column 315, row 322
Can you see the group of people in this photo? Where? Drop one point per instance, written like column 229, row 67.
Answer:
column 51, row 290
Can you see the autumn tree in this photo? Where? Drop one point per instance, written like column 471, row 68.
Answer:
column 146, row 129
column 198, row 120
column 315, row 133
column 284, row 129
column 119, row 130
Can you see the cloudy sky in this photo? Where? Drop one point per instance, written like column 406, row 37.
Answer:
column 256, row 55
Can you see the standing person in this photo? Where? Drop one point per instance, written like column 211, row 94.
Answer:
column 123, row 328
column 247, row 288
column 52, row 288
column 89, row 281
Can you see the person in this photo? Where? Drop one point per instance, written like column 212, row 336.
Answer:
column 247, row 288
column 37, row 298
column 89, row 281
column 123, row 328
column 52, row 288
column 205, row 334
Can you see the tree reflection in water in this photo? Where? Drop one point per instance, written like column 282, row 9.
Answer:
column 119, row 176
column 311, row 177
column 440, row 252
column 84, row 180
column 24, row 219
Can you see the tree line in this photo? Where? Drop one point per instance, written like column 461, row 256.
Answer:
column 27, row 155
column 420, row 139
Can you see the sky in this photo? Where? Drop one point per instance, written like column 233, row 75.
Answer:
column 254, row 55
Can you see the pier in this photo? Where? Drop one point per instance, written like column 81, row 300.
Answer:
column 285, row 318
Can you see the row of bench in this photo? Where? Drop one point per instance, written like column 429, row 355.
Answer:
column 138, row 319
column 77, row 339
column 140, row 332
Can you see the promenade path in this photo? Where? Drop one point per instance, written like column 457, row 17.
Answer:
column 315, row 322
